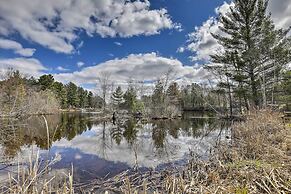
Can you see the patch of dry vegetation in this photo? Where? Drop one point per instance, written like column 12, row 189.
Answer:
column 36, row 177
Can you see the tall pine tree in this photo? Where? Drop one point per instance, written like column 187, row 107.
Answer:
column 249, row 38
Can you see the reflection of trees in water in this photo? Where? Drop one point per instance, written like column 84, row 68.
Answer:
column 159, row 134
column 9, row 139
column 104, row 143
column 161, row 129
column 117, row 133
column 130, row 132
column 72, row 125
column 127, row 129
column 15, row 134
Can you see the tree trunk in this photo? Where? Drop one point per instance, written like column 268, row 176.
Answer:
column 254, row 90
column 230, row 98
column 263, row 88
column 246, row 102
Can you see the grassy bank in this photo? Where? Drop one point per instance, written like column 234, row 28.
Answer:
column 255, row 159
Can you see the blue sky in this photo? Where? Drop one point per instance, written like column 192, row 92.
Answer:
column 77, row 39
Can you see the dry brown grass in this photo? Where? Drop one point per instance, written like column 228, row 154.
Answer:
column 264, row 136
column 36, row 177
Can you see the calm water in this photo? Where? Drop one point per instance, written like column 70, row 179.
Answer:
column 99, row 148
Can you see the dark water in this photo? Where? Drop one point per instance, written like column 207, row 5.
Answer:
column 98, row 148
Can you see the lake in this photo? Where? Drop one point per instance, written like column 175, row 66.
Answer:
column 99, row 148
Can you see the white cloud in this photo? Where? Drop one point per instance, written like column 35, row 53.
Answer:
column 16, row 47
column 140, row 67
column 55, row 24
column 80, row 64
column 27, row 66
column 281, row 12
column 141, row 21
column 224, row 8
column 60, row 68
column 201, row 42
column 118, row 43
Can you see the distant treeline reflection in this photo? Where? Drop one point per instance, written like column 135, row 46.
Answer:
column 15, row 134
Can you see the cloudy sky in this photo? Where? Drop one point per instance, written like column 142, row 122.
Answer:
column 77, row 39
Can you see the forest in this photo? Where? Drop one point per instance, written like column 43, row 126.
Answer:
column 22, row 96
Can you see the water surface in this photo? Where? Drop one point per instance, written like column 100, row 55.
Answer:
column 98, row 148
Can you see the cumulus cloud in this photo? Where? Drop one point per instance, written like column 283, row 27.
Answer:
column 140, row 67
column 54, row 24
column 27, row 66
column 201, row 41
column 16, row 47
column 202, row 44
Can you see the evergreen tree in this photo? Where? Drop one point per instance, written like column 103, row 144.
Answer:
column 46, row 81
column 285, row 90
column 82, row 97
column 31, row 81
column 61, row 93
column 173, row 91
column 90, row 99
column 197, row 95
column 249, row 39
column 117, row 96
column 158, row 95
column 72, row 95
column 130, row 99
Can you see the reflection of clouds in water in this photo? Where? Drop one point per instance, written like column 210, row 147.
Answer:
column 22, row 158
column 98, row 142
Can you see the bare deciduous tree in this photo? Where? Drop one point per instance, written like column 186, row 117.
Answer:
column 105, row 85
column 168, row 77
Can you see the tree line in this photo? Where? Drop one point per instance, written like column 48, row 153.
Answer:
column 20, row 95
column 167, row 100
column 69, row 95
